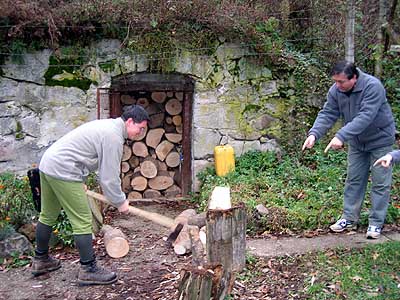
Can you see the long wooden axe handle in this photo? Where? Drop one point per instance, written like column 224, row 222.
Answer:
column 155, row 217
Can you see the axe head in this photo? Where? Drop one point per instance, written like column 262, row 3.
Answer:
column 174, row 234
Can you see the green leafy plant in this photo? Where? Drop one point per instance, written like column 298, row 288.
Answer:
column 63, row 230
column 6, row 230
column 16, row 206
column 301, row 191
column 16, row 260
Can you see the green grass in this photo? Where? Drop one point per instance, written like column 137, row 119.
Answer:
column 359, row 274
column 302, row 191
column 366, row 273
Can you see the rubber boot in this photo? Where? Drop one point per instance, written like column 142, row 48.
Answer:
column 42, row 262
column 91, row 274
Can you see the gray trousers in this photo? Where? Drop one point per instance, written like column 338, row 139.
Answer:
column 359, row 165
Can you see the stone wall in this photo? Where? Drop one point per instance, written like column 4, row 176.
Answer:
column 228, row 84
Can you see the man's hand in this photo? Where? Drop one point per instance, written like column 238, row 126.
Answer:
column 124, row 208
column 309, row 142
column 335, row 143
column 384, row 161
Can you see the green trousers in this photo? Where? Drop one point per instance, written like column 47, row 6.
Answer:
column 68, row 195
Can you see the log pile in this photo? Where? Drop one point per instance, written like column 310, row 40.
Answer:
column 151, row 164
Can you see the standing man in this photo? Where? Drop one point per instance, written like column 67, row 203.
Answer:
column 97, row 145
column 360, row 101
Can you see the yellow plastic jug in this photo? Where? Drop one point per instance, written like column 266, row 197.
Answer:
column 224, row 159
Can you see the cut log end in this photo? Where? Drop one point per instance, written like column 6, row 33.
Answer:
column 117, row 247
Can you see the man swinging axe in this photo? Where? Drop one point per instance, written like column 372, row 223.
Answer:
column 96, row 145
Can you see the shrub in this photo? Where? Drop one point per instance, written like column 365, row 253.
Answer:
column 16, row 204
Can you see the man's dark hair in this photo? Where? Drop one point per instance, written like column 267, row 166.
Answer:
column 346, row 67
column 136, row 112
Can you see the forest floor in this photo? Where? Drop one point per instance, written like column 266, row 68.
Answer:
column 151, row 270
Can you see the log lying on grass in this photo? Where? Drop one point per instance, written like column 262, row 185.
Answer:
column 115, row 242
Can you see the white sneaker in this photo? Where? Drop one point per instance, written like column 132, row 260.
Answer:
column 373, row 232
column 342, row 225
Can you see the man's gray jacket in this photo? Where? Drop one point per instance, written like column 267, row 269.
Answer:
column 96, row 145
column 366, row 113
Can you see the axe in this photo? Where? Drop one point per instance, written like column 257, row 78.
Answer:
column 155, row 217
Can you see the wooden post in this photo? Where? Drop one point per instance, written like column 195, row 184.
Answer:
column 226, row 237
column 226, row 245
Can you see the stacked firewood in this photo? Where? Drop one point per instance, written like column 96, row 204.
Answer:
column 150, row 165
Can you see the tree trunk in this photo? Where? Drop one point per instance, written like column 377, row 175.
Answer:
column 389, row 29
column 379, row 37
column 349, row 35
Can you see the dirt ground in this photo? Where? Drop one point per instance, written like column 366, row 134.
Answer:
column 151, row 270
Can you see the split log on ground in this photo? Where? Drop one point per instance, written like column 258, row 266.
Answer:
column 204, row 283
column 158, row 97
column 198, row 220
column 154, row 136
column 156, row 120
column 182, row 244
column 127, row 153
column 150, row 193
column 161, row 182
column 148, row 168
column 127, row 100
column 144, row 102
column 173, row 107
column 163, row 149
column 138, row 182
column 115, row 242
column 173, row 159
column 184, row 216
column 140, row 149
column 174, row 137
column 125, row 167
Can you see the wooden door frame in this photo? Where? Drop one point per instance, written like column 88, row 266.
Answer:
column 161, row 83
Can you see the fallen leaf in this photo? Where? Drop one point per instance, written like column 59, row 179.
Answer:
column 356, row 278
